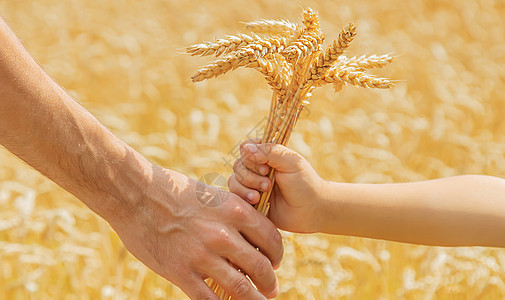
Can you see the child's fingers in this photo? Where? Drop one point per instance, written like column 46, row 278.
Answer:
column 261, row 169
column 250, row 179
column 277, row 156
column 250, row 195
column 250, row 141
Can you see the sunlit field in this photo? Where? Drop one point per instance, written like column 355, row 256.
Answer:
column 123, row 61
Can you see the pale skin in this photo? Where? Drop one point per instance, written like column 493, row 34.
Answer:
column 154, row 210
column 464, row 210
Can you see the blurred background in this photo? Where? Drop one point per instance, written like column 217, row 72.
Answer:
column 123, row 61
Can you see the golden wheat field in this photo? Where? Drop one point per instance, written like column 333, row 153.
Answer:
column 123, row 61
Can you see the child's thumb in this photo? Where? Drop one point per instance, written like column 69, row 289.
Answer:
column 277, row 156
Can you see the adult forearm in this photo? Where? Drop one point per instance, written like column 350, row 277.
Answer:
column 156, row 212
column 456, row 211
column 42, row 125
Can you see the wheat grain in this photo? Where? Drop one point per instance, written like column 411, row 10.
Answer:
column 325, row 60
column 358, row 78
column 222, row 46
column 306, row 41
column 261, row 48
column 306, row 44
column 310, row 19
column 365, row 62
column 214, row 69
column 245, row 55
column 276, row 71
column 281, row 27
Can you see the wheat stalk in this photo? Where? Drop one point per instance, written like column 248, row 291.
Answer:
column 293, row 63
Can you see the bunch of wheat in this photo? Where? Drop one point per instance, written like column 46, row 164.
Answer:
column 292, row 59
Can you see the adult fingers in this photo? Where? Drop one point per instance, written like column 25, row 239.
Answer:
column 196, row 289
column 249, row 260
column 250, row 195
column 259, row 231
column 258, row 267
column 277, row 156
column 233, row 282
column 250, row 179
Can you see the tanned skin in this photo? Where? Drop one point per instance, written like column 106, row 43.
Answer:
column 154, row 210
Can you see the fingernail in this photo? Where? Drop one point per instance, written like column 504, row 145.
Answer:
column 264, row 186
column 263, row 170
column 250, row 196
column 251, row 148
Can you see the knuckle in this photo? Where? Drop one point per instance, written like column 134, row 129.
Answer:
column 260, row 185
column 240, row 286
column 298, row 156
column 245, row 161
column 240, row 178
column 201, row 258
column 239, row 212
column 204, row 295
column 243, row 164
column 241, row 169
column 247, row 179
column 236, row 165
column 263, row 268
column 222, row 238
column 267, row 148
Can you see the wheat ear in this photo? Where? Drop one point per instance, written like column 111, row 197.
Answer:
column 357, row 78
column 365, row 62
column 242, row 57
column 326, row 59
column 222, row 46
column 281, row 27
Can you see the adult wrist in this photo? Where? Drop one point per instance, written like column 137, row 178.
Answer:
column 127, row 177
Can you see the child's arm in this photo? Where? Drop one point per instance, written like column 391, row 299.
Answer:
column 456, row 211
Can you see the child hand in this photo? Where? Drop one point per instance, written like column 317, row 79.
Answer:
column 294, row 200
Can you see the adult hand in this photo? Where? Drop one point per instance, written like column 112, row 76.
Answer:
column 184, row 241
column 155, row 211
